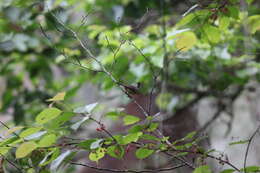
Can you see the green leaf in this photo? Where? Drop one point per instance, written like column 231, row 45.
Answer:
column 143, row 153
column 50, row 157
column 152, row 127
column 202, row 169
column 4, row 150
column 29, row 131
column 9, row 141
column 60, row 120
column 136, row 128
column 97, row 154
column 190, row 135
column 116, row 151
column 251, row 169
column 224, row 22
column 47, row 140
column 114, row 115
column 132, row 137
column 86, row 144
column 239, row 142
column 24, row 149
column 47, row 115
column 58, row 97
column 185, row 41
column 233, row 11
column 212, row 33
column 35, row 135
column 12, row 130
column 85, row 109
column 129, row 119
column 249, row 1
column 228, row 171
column 149, row 137
column 254, row 23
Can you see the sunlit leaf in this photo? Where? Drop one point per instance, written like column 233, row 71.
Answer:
column 4, row 150
column 12, row 130
column 185, row 41
column 47, row 115
column 97, row 154
column 47, row 140
column 24, row 149
column 132, row 137
column 29, row 131
column 129, row 119
column 224, row 23
column 254, row 23
column 58, row 97
column 212, row 33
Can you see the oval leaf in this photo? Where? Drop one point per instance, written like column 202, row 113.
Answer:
column 185, row 41
column 24, row 149
column 142, row 153
column 47, row 115
column 48, row 140
column 116, row 151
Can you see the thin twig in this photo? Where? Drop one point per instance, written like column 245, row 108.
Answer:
column 128, row 170
column 248, row 146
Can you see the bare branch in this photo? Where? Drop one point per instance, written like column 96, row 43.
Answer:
column 128, row 170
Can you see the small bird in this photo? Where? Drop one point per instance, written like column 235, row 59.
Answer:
column 131, row 89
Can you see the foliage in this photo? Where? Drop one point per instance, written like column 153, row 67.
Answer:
column 202, row 50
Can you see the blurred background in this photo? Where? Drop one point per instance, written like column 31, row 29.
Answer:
column 213, row 87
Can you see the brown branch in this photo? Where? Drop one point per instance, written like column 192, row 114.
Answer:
column 128, row 170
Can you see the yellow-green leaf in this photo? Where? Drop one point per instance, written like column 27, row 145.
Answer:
column 48, row 140
column 58, row 97
column 97, row 154
column 4, row 150
column 12, row 130
column 24, row 149
column 224, row 23
column 185, row 41
column 129, row 119
column 254, row 23
column 29, row 131
column 212, row 33
column 47, row 115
